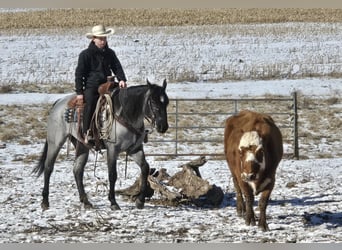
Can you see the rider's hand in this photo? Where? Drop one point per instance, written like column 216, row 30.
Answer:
column 122, row 84
column 79, row 100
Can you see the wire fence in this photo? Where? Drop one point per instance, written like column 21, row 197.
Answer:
column 196, row 126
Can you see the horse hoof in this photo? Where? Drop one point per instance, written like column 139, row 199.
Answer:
column 139, row 204
column 115, row 207
column 264, row 227
column 88, row 205
column 44, row 206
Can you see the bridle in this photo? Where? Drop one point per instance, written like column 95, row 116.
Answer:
column 151, row 119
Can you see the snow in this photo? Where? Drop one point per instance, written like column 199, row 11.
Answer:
column 323, row 88
column 308, row 211
column 305, row 204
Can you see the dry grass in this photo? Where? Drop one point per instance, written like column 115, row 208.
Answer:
column 319, row 124
column 77, row 18
column 59, row 88
column 6, row 89
column 23, row 123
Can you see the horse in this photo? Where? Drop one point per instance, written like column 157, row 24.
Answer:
column 131, row 106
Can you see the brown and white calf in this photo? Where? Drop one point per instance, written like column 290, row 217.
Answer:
column 253, row 147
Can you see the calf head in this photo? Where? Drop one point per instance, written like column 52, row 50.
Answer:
column 252, row 156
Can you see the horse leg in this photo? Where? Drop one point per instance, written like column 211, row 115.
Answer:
column 82, row 154
column 139, row 158
column 49, row 163
column 112, row 175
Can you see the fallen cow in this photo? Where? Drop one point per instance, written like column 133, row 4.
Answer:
column 185, row 186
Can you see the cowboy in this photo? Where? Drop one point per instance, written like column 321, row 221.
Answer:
column 95, row 64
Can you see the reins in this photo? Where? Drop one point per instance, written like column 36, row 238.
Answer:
column 112, row 117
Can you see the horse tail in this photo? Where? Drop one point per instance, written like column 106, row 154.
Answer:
column 39, row 169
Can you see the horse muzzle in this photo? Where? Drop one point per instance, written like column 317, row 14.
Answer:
column 162, row 128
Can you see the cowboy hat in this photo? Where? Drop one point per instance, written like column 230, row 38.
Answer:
column 100, row 30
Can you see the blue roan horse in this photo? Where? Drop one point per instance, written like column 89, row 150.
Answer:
column 132, row 105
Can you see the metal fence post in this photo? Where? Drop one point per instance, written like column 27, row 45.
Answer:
column 295, row 127
column 176, row 140
column 235, row 106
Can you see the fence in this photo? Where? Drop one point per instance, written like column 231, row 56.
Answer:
column 196, row 126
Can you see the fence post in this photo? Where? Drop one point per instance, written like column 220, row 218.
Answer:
column 176, row 141
column 295, row 127
column 235, row 106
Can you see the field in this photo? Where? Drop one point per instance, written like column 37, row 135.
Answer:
column 202, row 54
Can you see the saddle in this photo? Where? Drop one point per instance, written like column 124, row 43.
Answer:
column 103, row 117
column 74, row 111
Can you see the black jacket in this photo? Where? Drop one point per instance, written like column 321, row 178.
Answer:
column 94, row 65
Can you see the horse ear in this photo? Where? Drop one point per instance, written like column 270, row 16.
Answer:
column 148, row 82
column 164, row 84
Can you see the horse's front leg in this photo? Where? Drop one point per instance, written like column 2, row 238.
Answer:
column 82, row 154
column 140, row 159
column 112, row 176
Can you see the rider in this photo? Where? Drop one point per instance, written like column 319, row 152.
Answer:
column 94, row 65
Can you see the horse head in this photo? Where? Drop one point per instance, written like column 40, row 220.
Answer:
column 156, row 108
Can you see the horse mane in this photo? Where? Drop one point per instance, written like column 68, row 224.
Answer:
column 130, row 104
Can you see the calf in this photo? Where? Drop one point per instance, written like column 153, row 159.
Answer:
column 253, row 147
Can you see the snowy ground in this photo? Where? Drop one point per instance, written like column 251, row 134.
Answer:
column 305, row 207
column 306, row 201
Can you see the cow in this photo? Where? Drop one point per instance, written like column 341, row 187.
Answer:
column 253, row 147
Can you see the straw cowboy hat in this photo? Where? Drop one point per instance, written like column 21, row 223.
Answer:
column 100, row 30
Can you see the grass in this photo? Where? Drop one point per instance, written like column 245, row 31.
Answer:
column 6, row 89
column 77, row 18
column 59, row 88
column 23, row 123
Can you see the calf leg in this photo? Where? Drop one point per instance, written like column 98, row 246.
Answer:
column 265, row 195
column 82, row 154
column 249, row 200
column 240, row 204
column 249, row 217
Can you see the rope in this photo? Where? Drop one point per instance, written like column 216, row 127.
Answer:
column 126, row 166
column 95, row 166
column 108, row 120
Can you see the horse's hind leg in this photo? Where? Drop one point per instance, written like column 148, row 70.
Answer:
column 139, row 158
column 51, row 156
column 112, row 176
column 82, row 154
